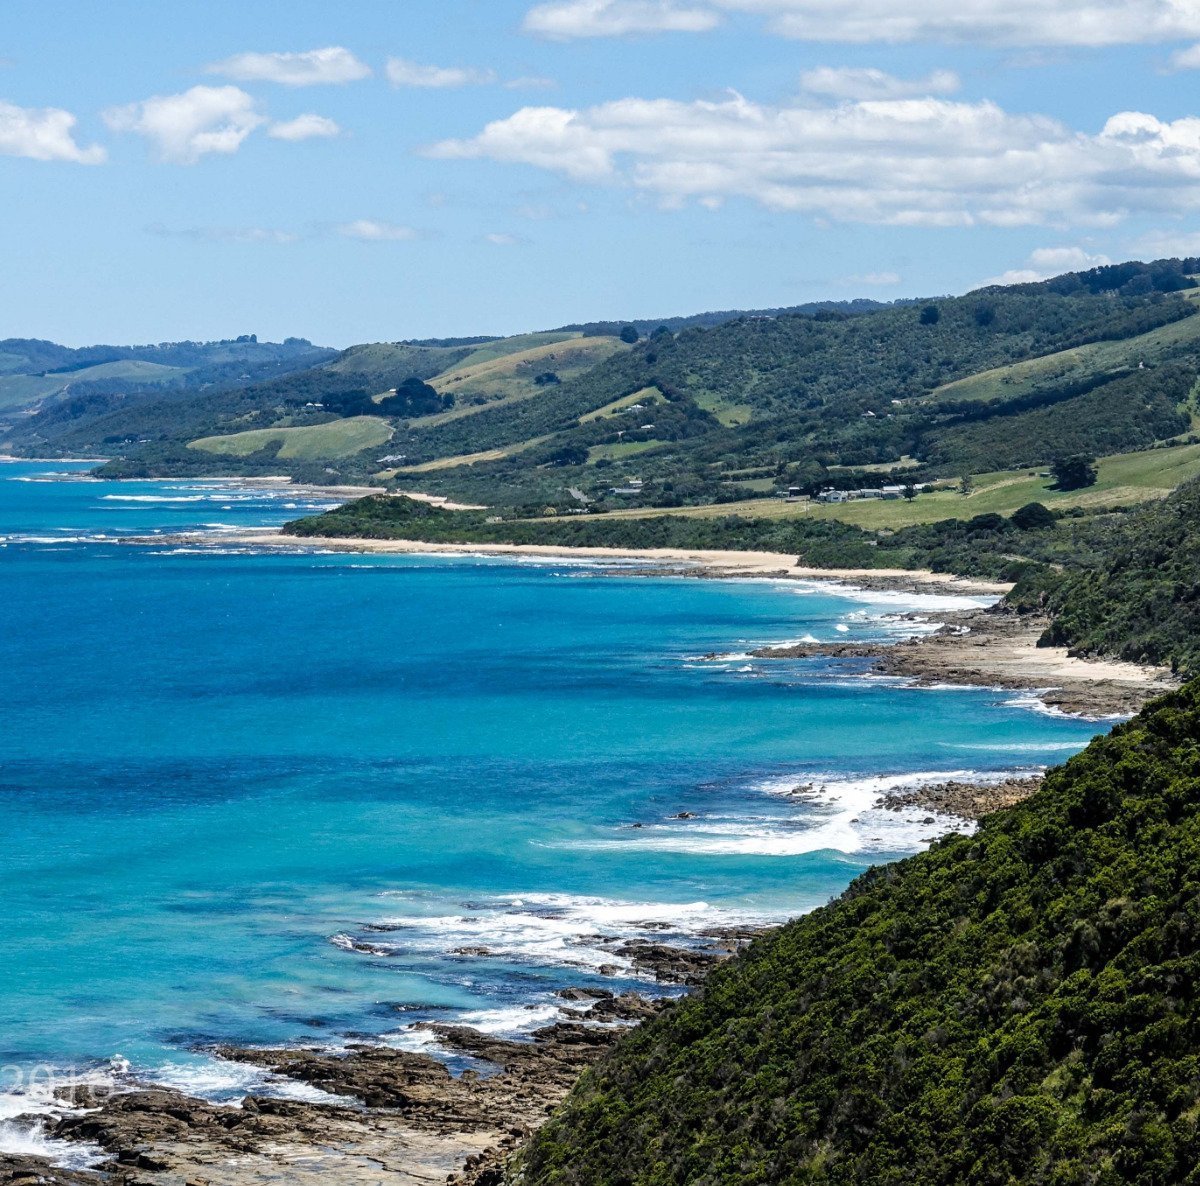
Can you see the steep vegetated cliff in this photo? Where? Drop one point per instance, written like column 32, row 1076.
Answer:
column 1013, row 1007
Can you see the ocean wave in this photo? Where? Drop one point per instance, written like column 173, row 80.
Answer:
column 1018, row 747
column 24, row 1116
column 1033, row 702
column 897, row 598
column 511, row 1022
column 834, row 814
column 21, row 1138
column 218, row 1081
column 548, row 930
column 157, row 498
column 19, row 538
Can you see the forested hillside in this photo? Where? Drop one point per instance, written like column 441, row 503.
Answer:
column 702, row 410
column 86, row 381
column 1013, row 1007
column 1138, row 595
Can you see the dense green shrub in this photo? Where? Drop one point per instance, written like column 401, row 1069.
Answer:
column 1011, row 1008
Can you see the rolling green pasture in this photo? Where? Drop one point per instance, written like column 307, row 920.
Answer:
column 339, row 438
column 1124, row 479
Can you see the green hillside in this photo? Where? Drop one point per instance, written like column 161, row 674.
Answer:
column 1010, row 1008
column 1138, row 595
column 18, row 389
column 339, row 438
column 1102, row 363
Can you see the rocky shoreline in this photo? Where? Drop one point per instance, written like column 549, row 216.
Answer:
column 966, row 800
column 401, row 1116
column 391, row 1115
column 996, row 648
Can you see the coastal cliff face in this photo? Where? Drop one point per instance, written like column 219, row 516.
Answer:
column 1017, row 1006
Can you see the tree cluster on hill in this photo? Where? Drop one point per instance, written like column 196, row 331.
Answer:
column 1007, row 1009
column 1134, row 591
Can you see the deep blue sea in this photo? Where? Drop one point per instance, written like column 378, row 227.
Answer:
column 302, row 798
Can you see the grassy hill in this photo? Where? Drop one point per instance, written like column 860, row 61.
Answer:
column 1103, row 362
column 51, row 396
column 17, row 390
column 339, row 438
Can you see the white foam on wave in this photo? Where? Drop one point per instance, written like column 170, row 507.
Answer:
column 24, row 1116
column 894, row 598
column 511, row 1022
column 220, row 1081
column 834, row 814
column 99, row 538
column 1033, row 702
column 20, row 1138
column 545, row 929
column 157, row 498
column 1018, row 747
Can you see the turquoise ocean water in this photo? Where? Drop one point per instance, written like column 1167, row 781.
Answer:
column 272, row 798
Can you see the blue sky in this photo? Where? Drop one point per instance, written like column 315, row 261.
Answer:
column 402, row 169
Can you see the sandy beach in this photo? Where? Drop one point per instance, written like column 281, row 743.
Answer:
column 976, row 647
column 690, row 562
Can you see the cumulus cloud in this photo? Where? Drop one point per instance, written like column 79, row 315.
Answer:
column 329, row 66
column 1049, row 261
column 305, row 127
column 183, row 128
column 1016, row 22
column 563, row 20
column 370, row 230
column 401, row 72
column 44, row 134
column 867, row 83
column 917, row 162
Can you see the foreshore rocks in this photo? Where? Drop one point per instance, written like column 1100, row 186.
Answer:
column 967, row 800
column 997, row 648
column 388, row 1115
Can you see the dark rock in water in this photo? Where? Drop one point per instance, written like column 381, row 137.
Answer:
column 629, row 1006
column 685, row 815
column 670, row 965
column 470, row 951
column 584, row 994
column 37, row 1171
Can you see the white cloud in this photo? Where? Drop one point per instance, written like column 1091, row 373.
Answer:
column 44, row 134
column 304, row 127
column 332, row 65
column 1049, row 261
column 876, row 279
column 905, row 162
column 499, row 239
column 371, row 231
column 564, row 20
column 1166, row 244
column 866, row 83
column 404, row 73
column 1015, row 22
column 1187, row 59
column 185, row 127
